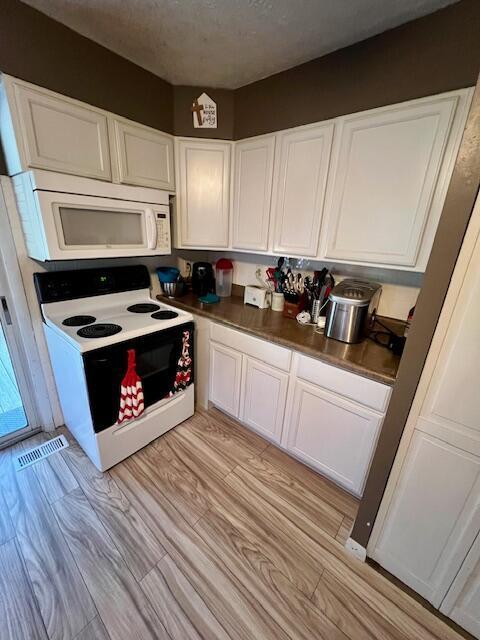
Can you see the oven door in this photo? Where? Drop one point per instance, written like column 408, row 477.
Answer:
column 79, row 226
column 158, row 363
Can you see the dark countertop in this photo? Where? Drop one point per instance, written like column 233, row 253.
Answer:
column 366, row 358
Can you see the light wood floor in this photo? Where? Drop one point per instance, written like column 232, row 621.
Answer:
column 208, row 533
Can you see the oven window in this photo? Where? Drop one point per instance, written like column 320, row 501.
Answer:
column 85, row 227
column 154, row 361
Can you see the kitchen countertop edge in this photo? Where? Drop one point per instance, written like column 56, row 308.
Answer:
column 211, row 312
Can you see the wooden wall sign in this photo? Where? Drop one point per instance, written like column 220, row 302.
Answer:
column 204, row 112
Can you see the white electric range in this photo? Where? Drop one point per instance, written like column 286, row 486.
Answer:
column 92, row 318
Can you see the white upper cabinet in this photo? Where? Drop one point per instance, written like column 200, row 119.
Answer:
column 388, row 181
column 45, row 130
column 203, row 201
column 299, row 188
column 253, row 192
column 144, row 156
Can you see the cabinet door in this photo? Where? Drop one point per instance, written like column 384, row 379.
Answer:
column 144, row 156
column 225, row 378
column 62, row 135
column 335, row 436
column 451, row 409
column 203, row 195
column 462, row 602
column 253, row 192
column 433, row 517
column 264, row 393
column 384, row 179
column 299, row 190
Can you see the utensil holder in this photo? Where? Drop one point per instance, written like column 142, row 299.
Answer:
column 292, row 309
column 278, row 301
column 315, row 312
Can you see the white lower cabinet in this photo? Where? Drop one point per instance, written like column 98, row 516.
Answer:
column 332, row 434
column 225, row 378
column 320, row 414
column 462, row 602
column 433, row 518
column 264, row 393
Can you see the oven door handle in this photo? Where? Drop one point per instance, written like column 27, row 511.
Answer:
column 151, row 229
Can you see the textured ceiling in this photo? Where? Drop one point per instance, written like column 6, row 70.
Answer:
column 229, row 43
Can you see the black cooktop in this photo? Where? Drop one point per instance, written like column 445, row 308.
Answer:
column 100, row 330
column 143, row 307
column 78, row 321
column 164, row 314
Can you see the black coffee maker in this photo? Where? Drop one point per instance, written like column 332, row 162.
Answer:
column 203, row 279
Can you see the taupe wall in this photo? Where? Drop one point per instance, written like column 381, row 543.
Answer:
column 183, row 98
column 38, row 49
column 432, row 54
column 457, row 210
column 423, row 57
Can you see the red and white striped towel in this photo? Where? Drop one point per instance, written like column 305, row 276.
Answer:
column 131, row 392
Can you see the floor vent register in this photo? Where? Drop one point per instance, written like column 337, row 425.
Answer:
column 38, row 453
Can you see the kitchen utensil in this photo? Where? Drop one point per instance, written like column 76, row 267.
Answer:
column 292, row 309
column 167, row 274
column 278, row 301
column 169, row 289
column 315, row 311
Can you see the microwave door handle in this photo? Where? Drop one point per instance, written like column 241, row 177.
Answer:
column 151, row 229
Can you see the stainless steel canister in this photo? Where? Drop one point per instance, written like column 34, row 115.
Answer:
column 351, row 310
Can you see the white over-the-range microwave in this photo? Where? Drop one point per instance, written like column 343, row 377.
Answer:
column 66, row 217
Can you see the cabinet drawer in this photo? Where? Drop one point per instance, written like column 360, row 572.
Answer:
column 350, row 385
column 270, row 353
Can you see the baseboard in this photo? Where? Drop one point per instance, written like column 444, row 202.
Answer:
column 356, row 549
